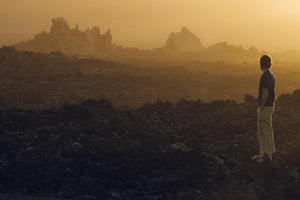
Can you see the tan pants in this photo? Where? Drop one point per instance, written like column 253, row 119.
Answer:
column 265, row 132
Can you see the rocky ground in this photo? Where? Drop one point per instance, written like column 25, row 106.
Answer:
column 188, row 150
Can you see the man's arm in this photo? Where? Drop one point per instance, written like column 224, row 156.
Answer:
column 264, row 98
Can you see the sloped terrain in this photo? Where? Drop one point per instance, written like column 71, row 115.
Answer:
column 38, row 81
column 187, row 150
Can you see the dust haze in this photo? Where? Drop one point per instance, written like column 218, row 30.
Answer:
column 267, row 25
column 146, row 99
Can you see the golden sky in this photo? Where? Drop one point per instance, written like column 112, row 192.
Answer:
column 266, row 24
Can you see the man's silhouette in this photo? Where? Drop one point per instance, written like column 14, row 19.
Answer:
column 266, row 105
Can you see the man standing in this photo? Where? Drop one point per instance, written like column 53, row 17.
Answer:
column 266, row 105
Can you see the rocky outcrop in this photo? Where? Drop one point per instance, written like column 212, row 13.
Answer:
column 60, row 26
column 69, row 41
column 185, row 44
column 183, row 41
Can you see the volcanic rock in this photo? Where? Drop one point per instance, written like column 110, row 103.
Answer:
column 95, row 151
column 180, row 146
column 292, row 192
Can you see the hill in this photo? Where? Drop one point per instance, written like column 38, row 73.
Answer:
column 37, row 81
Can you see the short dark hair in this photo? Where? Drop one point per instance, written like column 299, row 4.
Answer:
column 265, row 61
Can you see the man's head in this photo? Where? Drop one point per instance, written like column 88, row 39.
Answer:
column 265, row 62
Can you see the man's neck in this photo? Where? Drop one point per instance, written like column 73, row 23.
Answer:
column 264, row 69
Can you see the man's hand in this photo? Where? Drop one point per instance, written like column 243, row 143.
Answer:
column 264, row 98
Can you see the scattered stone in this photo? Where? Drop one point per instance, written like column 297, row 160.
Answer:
column 231, row 163
column 180, row 146
column 95, row 151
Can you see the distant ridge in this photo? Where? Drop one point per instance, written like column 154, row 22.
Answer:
column 183, row 45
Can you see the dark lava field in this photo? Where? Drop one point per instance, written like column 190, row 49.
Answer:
column 189, row 150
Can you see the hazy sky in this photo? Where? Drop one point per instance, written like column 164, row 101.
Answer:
column 265, row 24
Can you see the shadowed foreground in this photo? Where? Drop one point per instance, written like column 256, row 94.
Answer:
column 25, row 197
column 187, row 150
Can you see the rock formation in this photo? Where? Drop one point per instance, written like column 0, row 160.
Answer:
column 183, row 41
column 69, row 41
column 185, row 44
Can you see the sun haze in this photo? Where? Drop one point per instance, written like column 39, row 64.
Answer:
column 265, row 24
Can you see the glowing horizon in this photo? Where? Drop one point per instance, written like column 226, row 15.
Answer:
column 265, row 24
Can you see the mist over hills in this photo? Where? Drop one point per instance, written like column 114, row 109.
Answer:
column 90, row 43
